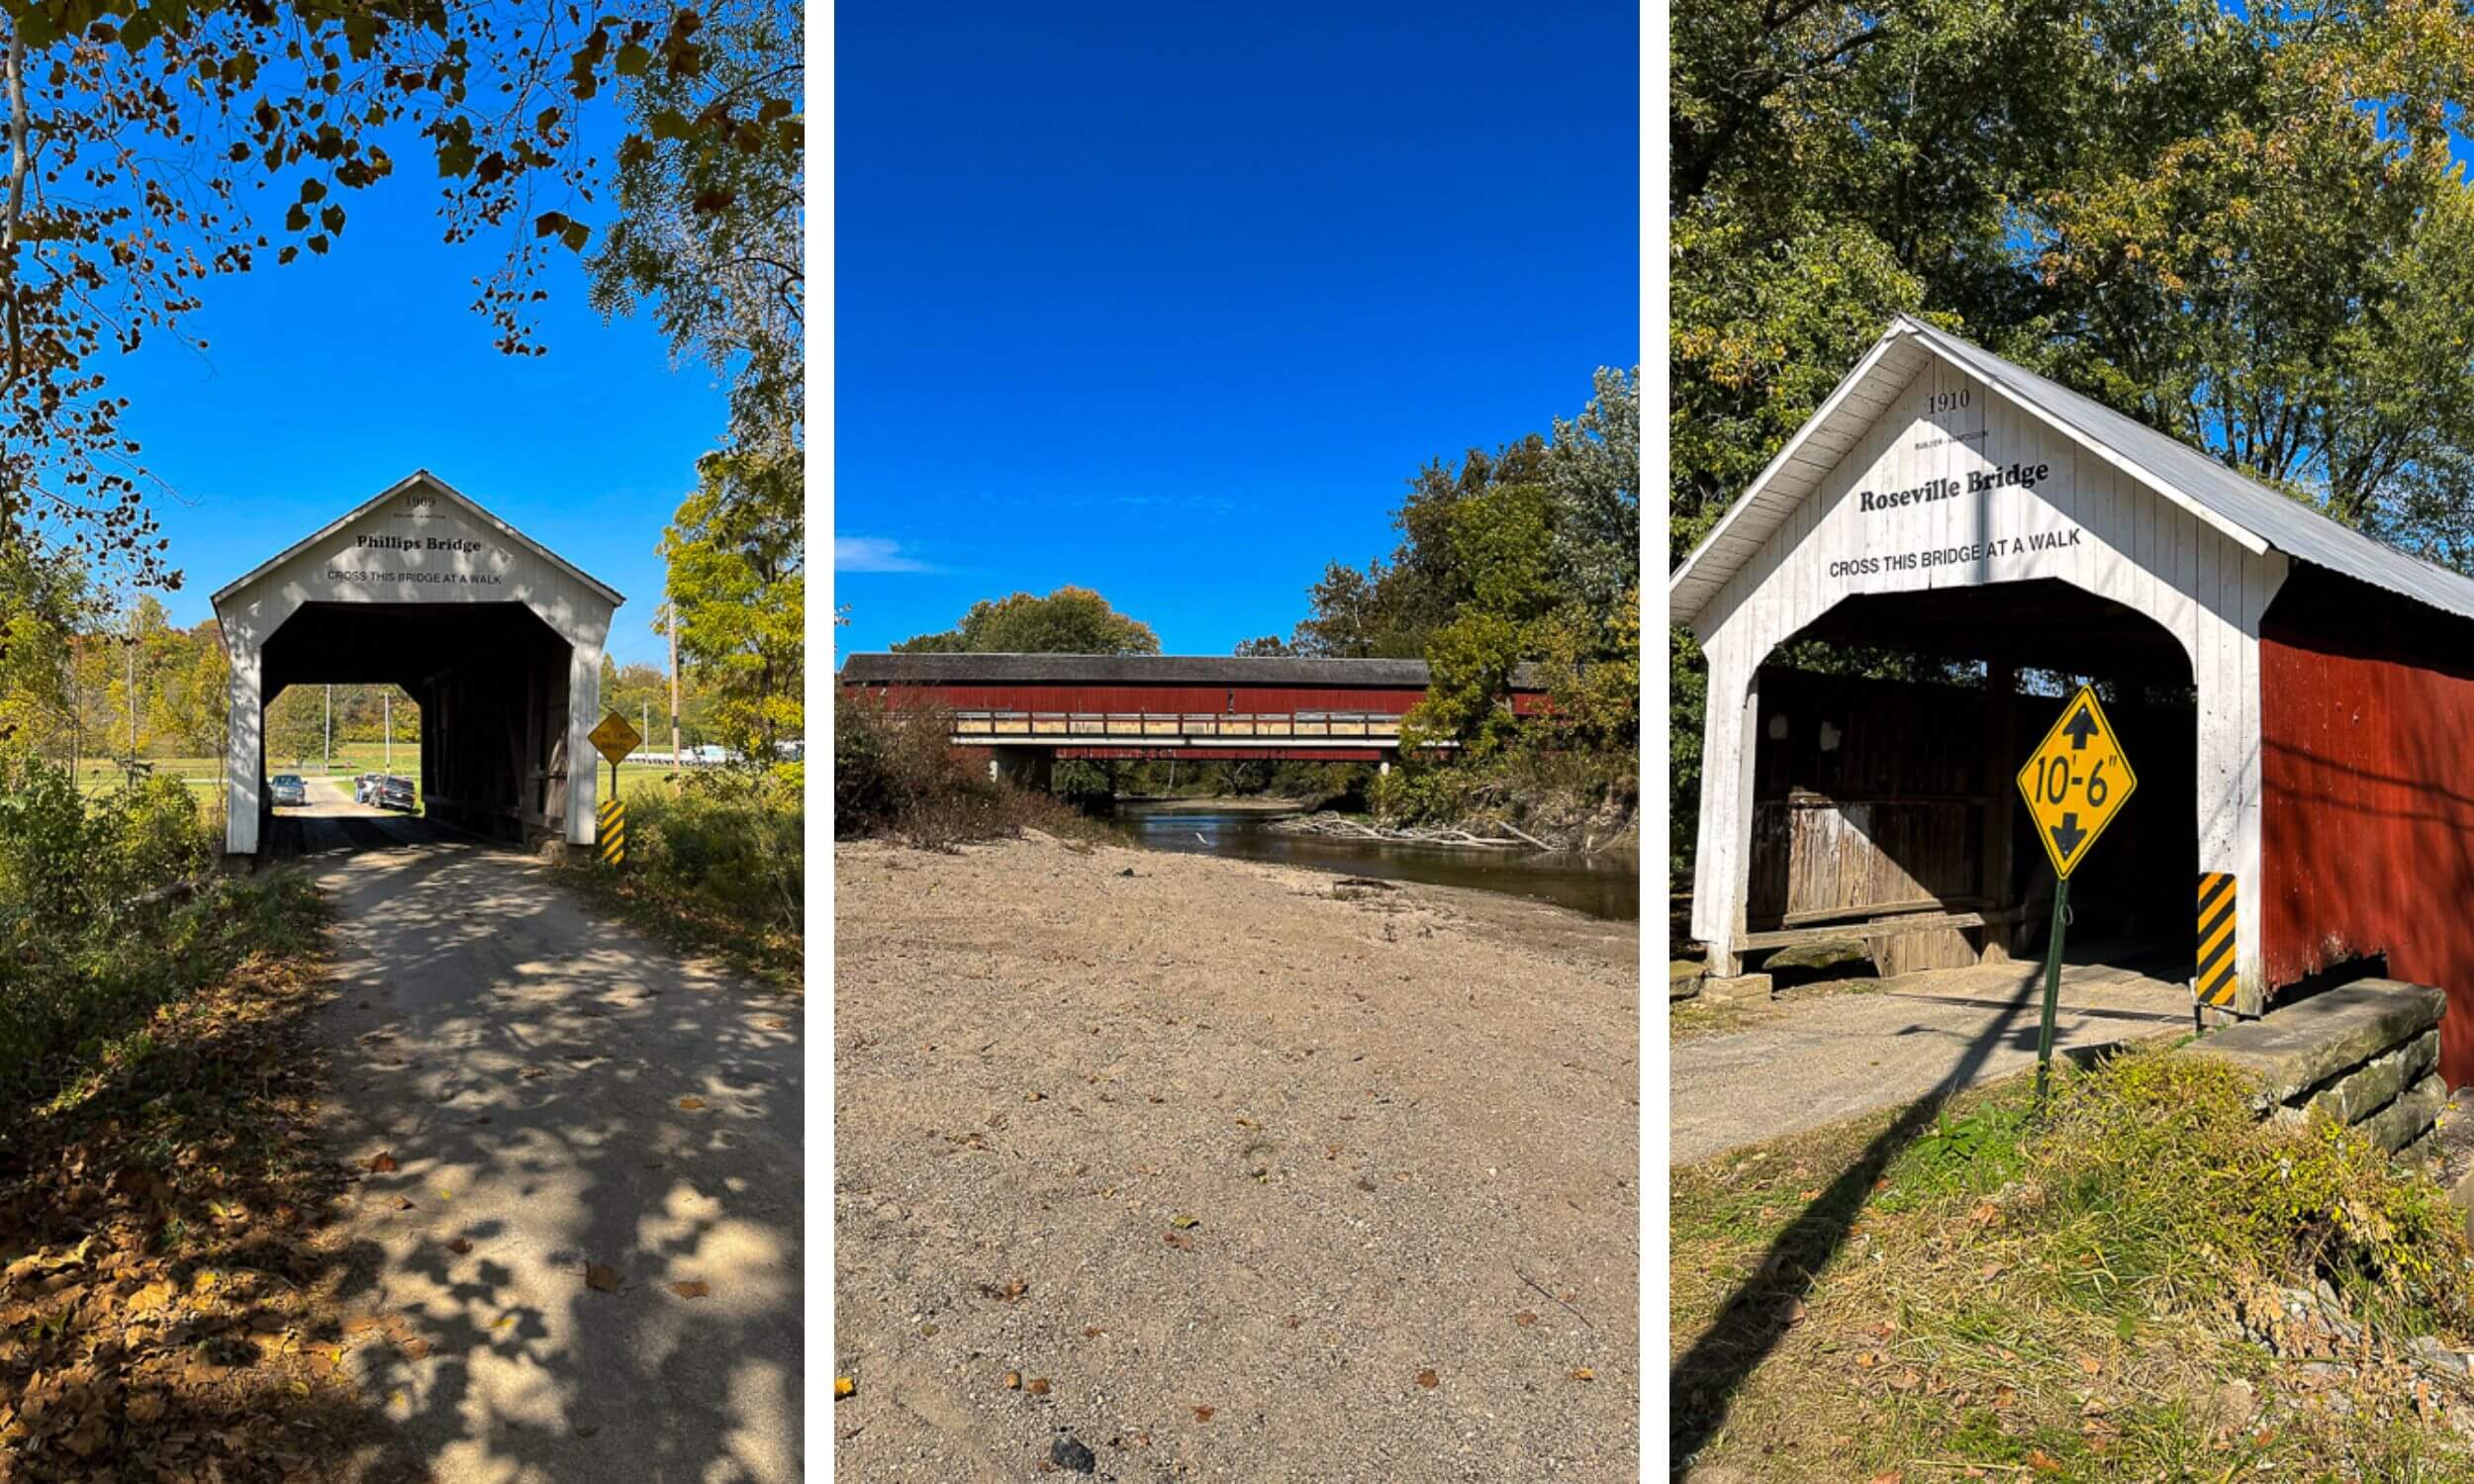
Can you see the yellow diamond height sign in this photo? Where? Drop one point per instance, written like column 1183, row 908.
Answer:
column 615, row 738
column 2075, row 782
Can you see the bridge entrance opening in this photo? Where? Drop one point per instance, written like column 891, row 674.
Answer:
column 491, row 681
column 1884, row 742
column 497, row 639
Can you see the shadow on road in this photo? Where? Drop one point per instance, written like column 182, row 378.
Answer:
column 582, row 1248
column 1702, row 1385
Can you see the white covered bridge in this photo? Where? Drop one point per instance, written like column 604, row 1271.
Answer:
column 2298, row 699
column 497, row 639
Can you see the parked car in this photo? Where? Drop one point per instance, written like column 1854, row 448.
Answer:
column 289, row 790
column 395, row 793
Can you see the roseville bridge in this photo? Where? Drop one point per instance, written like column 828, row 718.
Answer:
column 1022, row 712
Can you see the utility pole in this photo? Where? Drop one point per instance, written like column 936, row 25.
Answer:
column 672, row 625
column 133, row 688
column 327, row 763
column 386, row 701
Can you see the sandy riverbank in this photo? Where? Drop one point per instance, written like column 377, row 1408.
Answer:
column 1390, row 1112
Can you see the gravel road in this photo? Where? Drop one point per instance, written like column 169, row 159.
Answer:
column 522, row 1065
column 1239, row 1172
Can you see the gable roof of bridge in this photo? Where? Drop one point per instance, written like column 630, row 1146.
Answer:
column 419, row 477
column 2254, row 516
column 1144, row 670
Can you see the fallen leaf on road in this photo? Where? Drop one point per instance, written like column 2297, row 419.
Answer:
column 1524, row 1319
column 693, row 1289
column 1182, row 1222
column 1203, row 1413
column 1178, row 1241
column 1013, row 1380
column 1584, row 1373
column 460, row 1245
column 2091, row 1365
column 530, row 1072
column 413, row 1349
column 776, row 1023
column 843, row 1386
column 1887, row 1476
column 598, row 1276
column 1092, row 1332
column 1007, row 1291
column 691, row 1104
column 1036, row 1386
column 2043, row 1462
column 403, row 1203
column 381, row 1164
column 1428, row 1379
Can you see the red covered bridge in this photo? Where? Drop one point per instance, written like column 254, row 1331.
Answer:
column 1024, row 710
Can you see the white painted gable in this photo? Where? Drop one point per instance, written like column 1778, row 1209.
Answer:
column 1920, row 474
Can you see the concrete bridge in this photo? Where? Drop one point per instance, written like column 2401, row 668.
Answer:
column 1023, row 712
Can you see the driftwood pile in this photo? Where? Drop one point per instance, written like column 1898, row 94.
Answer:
column 1341, row 827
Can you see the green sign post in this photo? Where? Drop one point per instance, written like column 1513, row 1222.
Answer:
column 2075, row 782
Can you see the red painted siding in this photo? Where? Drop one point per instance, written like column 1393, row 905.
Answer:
column 1212, row 700
column 2367, row 781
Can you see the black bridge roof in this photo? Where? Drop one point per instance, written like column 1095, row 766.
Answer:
column 1142, row 670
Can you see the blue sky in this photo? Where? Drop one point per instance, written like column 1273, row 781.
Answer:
column 329, row 379
column 1171, row 300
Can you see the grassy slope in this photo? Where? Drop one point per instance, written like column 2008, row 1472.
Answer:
column 1965, row 1294
column 168, row 1296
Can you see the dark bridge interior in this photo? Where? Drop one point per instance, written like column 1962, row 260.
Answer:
column 491, row 680
column 1887, row 788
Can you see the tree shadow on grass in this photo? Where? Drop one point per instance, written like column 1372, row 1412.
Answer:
column 1756, row 1317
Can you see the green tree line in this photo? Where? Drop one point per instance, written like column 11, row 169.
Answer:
column 2244, row 230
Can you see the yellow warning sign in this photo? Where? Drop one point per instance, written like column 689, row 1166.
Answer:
column 612, row 817
column 2214, row 982
column 2075, row 782
column 615, row 738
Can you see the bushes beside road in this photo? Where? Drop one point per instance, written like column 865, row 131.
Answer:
column 92, row 938
column 718, row 867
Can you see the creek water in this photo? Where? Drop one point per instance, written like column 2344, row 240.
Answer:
column 1605, row 884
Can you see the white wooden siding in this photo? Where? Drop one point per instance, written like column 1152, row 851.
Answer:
column 2136, row 549
column 323, row 569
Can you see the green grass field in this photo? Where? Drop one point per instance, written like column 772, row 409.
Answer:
column 95, row 775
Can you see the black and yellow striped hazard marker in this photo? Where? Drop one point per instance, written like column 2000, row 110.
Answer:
column 2215, row 983
column 613, row 818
